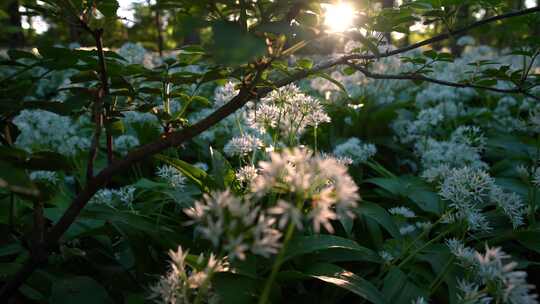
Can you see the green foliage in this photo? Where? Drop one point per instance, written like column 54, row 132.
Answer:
column 138, row 148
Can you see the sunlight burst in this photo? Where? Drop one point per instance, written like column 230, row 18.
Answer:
column 339, row 17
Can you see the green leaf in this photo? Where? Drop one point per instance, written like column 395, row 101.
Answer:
column 108, row 7
column 412, row 188
column 10, row 249
column 332, row 80
column 61, row 108
column 530, row 238
column 233, row 46
column 398, row 289
column 367, row 43
column 18, row 54
column 16, row 180
column 305, row 63
column 222, row 172
column 80, row 290
column 340, row 277
column 313, row 243
column 234, row 288
column 380, row 215
column 195, row 174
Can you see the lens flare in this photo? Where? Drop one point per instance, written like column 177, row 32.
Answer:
column 339, row 17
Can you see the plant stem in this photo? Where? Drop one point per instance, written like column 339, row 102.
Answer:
column 277, row 265
column 414, row 253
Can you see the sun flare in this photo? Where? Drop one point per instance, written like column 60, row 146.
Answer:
column 339, row 17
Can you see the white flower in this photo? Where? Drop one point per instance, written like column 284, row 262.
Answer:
column 288, row 110
column 172, row 176
column 465, row 40
column 536, row 177
column 420, row 300
column 246, row 174
column 511, row 204
column 407, row 229
column 471, row 293
column 469, row 135
column 402, row 211
column 322, row 182
column 234, row 225
column 183, row 284
column 468, row 190
column 386, row 256
column 124, row 143
column 438, row 157
column 286, row 213
column 354, row 149
column 126, row 195
column 111, row 197
column 43, row 130
column 242, row 145
column 47, row 176
column 133, row 52
column 465, row 254
column 344, row 160
column 224, row 94
column 502, row 280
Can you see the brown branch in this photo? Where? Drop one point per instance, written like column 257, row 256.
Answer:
column 110, row 152
column 178, row 137
column 445, row 36
column 419, row 77
column 99, row 101
column 39, row 252
column 92, row 153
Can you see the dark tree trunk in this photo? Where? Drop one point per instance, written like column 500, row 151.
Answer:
column 388, row 4
column 16, row 39
column 462, row 20
column 157, row 17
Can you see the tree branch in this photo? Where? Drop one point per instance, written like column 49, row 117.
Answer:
column 418, row 77
column 446, row 35
column 98, row 103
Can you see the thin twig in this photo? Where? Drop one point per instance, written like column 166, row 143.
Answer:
column 417, row 77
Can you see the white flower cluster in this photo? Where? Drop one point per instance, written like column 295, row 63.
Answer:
column 124, row 143
column 224, row 94
column 463, row 149
column 303, row 177
column 172, row 176
column 111, row 197
column 246, row 174
column 410, row 127
column 402, row 211
column 134, row 53
column 229, row 126
column 355, row 150
column 234, row 225
column 492, row 280
column 470, row 190
column 184, row 284
column 43, row 130
column 529, row 174
column 288, row 112
column 242, row 145
column 45, row 176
